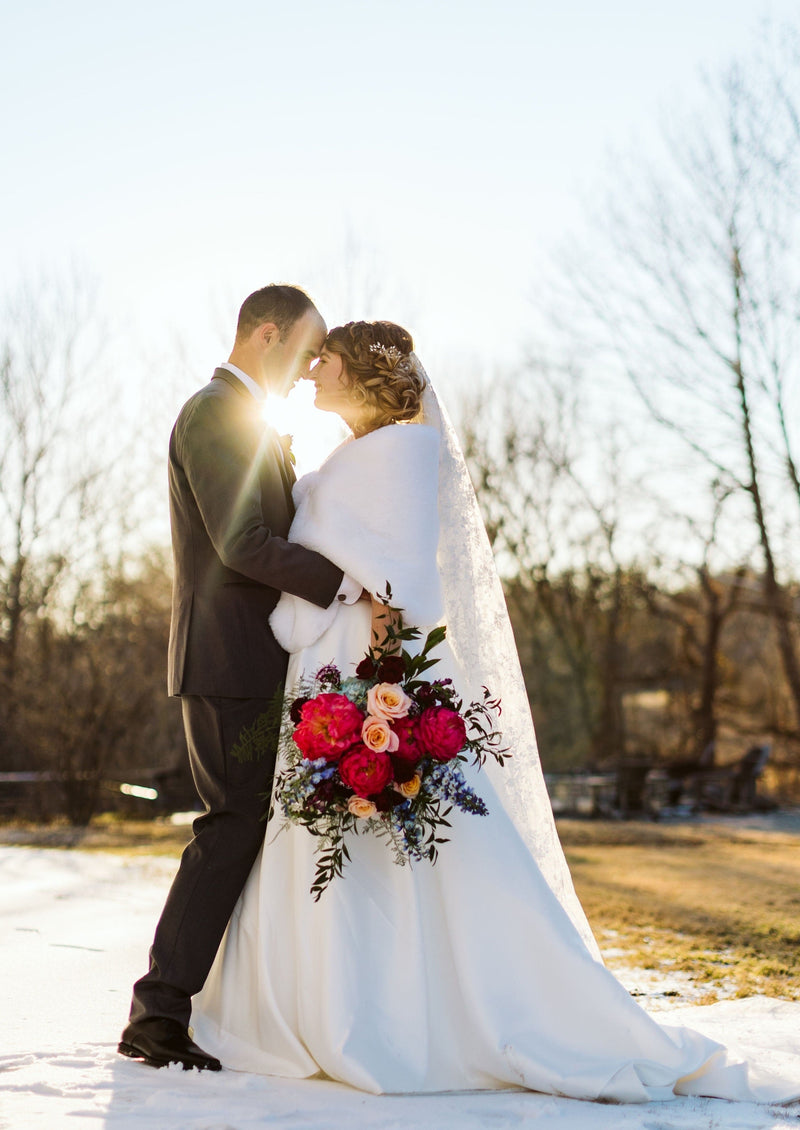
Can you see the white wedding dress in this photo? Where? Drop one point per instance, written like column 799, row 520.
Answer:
column 477, row 972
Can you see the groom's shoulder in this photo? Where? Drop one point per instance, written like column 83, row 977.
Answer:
column 209, row 410
column 215, row 395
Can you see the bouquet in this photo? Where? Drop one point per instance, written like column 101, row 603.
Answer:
column 381, row 752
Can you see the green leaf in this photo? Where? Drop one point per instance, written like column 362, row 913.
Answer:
column 262, row 736
column 435, row 637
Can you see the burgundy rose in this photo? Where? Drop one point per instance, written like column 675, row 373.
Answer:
column 365, row 771
column 366, row 668
column 296, row 709
column 403, row 770
column 329, row 724
column 408, row 749
column 386, row 799
column 322, row 796
column 392, row 669
column 425, row 695
column 441, row 732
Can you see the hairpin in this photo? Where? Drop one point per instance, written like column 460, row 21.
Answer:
column 390, row 352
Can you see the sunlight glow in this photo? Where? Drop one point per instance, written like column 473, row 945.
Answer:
column 315, row 433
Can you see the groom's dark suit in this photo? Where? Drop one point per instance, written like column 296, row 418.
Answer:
column 230, row 510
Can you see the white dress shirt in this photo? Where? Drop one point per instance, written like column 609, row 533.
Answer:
column 247, row 381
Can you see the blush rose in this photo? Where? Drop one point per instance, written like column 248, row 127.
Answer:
column 388, row 700
column 377, row 734
column 361, row 807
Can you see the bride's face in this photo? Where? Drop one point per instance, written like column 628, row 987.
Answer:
column 333, row 394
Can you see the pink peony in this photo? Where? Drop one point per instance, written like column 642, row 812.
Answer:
column 365, row 771
column 388, row 700
column 441, row 732
column 330, row 724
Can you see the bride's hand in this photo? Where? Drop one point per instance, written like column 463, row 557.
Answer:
column 382, row 618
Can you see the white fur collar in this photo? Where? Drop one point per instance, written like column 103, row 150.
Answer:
column 372, row 509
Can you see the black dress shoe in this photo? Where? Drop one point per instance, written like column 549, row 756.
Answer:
column 159, row 1041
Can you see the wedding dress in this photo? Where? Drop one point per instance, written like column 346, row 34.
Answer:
column 480, row 971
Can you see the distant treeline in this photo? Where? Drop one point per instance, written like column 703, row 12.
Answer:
column 616, row 668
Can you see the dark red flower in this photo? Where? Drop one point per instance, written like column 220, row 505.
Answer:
column 365, row 771
column 409, row 748
column 296, row 710
column 322, row 796
column 386, row 799
column 403, row 770
column 391, row 669
column 425, row 695
column 366, row 668
column 441, row 732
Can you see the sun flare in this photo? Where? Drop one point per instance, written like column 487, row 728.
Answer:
column 314, row 433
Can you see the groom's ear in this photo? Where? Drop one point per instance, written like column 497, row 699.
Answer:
column 267, row 335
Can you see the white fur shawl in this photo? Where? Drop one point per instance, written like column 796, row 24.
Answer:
column 372, row 509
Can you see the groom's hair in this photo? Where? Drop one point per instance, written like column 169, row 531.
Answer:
column 278, row 303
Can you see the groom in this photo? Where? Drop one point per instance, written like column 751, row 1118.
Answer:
column 230, row 484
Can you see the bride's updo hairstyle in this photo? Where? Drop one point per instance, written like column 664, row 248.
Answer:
column 378, row 368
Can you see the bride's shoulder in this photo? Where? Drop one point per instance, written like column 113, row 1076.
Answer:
column 408, row 441
column 303, row 486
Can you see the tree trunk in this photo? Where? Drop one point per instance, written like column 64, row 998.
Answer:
column 706, row 711
column 610, row 734
column 773, row 591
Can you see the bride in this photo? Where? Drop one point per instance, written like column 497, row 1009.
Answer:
column 479, row 971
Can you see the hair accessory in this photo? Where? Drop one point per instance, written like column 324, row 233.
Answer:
column 390, row 352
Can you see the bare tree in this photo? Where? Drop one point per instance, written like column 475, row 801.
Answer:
column 615, row 591
column 695, row 296
column 559, row 505
column 67, row 486
column 92, row 705
column 699, row 598
column 46, row 480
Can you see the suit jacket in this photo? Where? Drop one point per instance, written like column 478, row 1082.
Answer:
column 230, row 490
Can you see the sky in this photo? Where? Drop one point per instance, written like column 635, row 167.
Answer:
column 412, row 159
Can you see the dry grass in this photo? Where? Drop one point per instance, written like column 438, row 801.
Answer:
column 105, row 833
column 718, row 903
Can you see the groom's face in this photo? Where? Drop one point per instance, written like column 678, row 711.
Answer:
column 292, row 355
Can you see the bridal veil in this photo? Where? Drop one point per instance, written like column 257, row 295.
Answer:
column 480, row 635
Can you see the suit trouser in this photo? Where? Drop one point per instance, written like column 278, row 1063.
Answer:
column 215, row 865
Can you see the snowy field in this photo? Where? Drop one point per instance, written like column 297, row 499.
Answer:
column 74, row 933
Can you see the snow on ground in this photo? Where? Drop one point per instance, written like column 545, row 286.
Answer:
column 74, row 933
